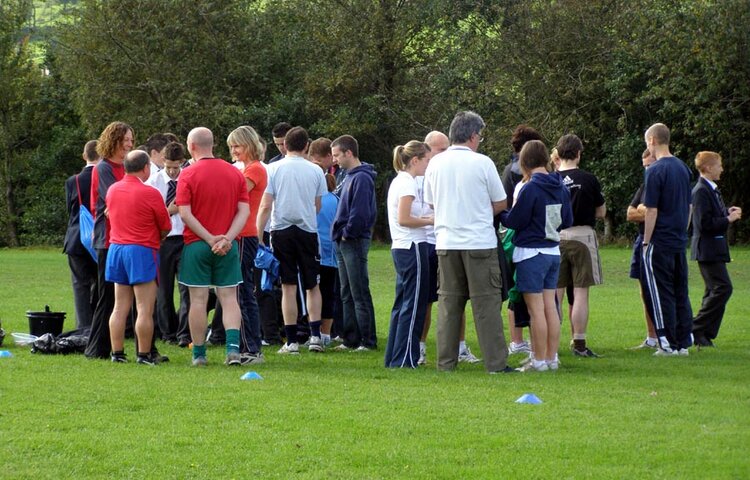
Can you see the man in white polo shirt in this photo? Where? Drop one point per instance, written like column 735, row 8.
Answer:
column 466, row 192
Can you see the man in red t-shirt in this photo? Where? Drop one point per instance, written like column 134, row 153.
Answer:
column 212, row 200
column 138, row 221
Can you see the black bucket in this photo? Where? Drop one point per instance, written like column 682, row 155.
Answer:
column 45, row 322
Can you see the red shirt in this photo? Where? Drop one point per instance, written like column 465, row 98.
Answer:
column 256, row 173
column 137, row 213
column 212, row 188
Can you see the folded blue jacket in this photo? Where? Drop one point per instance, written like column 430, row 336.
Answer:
column 269, row 266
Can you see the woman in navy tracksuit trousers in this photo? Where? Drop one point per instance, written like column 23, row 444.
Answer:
column 409, row 251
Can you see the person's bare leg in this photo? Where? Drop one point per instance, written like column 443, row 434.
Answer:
column 427, row 323
column 230, row 307
column 314, row 303
column 535, row 305
column 579, row 318
column 145, row 299
column 553, row 325
column 325, row 326
column 120, row 312
column 649, row 324
column 197, row 314
column 289, row 303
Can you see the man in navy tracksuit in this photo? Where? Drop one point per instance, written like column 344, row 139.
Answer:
column 667, row 198
column 352, row 230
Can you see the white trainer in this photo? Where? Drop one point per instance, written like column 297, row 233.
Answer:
column 422, row 356
column 468, row 357
column 522, row 347
column 315, row 344
column 289, row 349
column 534, row 366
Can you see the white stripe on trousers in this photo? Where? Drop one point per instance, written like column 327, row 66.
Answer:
column 652, row 286
column 414, row 308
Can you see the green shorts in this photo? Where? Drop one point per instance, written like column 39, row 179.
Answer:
column 200, row 267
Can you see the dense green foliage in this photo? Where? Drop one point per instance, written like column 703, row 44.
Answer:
column 389, row 71
column 336, row 415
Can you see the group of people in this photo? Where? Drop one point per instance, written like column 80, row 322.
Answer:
column 460, row 231
column 158, row 216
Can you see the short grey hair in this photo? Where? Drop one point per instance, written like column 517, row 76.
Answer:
column 464, row 125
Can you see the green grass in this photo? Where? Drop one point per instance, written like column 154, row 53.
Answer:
column 342, row 415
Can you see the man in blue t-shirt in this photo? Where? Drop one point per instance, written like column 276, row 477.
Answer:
column 667, row 199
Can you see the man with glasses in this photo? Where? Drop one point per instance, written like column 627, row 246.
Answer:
column 464, row 188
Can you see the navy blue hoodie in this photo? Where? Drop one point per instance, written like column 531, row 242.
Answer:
column 540, row 212
column 355, row 215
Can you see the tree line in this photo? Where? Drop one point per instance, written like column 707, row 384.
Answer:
column 385, row 71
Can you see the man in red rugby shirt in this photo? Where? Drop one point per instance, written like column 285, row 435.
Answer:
column 213, row 201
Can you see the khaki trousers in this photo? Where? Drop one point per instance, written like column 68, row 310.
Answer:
column 470, row 275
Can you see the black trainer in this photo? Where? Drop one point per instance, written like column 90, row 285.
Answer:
column 158, row 358
column 119, row 357
column 586, row 352
column 146, row 360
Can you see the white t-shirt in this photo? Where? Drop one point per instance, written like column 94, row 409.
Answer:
column 404, row 185
column 517, row 190
column 461, row 185
column 427, row 211
column 294, row 183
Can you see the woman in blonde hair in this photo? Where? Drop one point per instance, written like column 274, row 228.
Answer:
column 409, row 251
column 246, row 149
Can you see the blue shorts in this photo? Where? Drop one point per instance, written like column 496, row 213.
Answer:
column 635, row 260
column 537, row 273
column 131, row 264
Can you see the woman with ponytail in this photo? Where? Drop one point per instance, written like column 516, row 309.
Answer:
column 409, row 251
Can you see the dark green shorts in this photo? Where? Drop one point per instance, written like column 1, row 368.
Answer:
column 199, row 267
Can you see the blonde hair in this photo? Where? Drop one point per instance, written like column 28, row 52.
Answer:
column 403, row 154
column 554, row 160
column 247, row 137
column 705, row 159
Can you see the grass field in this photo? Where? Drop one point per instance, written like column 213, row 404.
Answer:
column 342, row 415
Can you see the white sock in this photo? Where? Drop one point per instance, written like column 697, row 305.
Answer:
column 462, row 346
column 651, row 341
column 325, row 337
column 423, row 346
column 539, row 363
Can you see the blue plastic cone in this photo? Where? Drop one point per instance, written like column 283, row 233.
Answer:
column 5, row 354
column 529, row 398
column 251, row 376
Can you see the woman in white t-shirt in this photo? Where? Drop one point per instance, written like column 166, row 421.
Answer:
column 409, row 251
